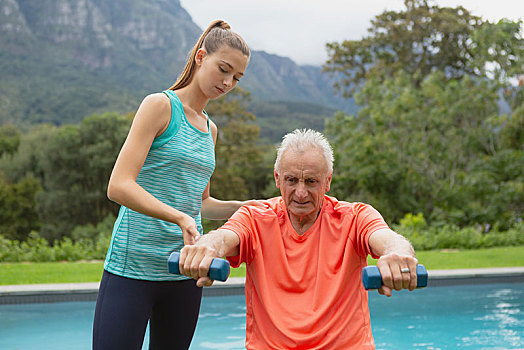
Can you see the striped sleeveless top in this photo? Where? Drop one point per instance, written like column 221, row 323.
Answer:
column 176, row 171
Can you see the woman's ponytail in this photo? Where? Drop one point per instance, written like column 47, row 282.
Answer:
column 218, row 33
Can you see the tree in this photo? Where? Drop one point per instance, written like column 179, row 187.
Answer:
column 26, row 161
column 21, row 178
column 76, row 164
column 409, row 148
column 9, row 139
column 424, row 38
column 18, row 216
column 240, row 171
column 429, row 136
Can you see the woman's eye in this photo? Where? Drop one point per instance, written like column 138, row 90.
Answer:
column 222, row 69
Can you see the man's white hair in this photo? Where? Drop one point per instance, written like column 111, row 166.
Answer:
column 302, row 140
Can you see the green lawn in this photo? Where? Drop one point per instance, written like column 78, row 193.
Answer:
column 63, row 272
column 469, row 259
column 53, row 272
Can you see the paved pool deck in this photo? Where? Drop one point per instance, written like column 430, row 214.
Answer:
column 64, row 292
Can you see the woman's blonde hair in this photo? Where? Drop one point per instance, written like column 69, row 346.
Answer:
column 217, row 34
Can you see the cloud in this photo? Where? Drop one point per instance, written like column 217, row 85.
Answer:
column 299, row 29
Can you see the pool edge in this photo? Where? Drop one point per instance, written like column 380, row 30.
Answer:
column 68, row 292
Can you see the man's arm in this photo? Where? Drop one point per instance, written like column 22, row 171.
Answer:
column 395, row 253
column 195, row 259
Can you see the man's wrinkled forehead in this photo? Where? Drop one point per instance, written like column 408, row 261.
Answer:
column 308, row 160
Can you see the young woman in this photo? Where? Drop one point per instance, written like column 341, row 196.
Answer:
column 161, row 179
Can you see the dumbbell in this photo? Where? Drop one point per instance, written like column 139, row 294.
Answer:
column 218, row 270
column 371, row 278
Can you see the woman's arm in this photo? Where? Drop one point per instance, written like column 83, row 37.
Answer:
column 151, row 119
column 215, row 209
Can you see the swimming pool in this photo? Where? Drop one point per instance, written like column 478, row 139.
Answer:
column 485, row 316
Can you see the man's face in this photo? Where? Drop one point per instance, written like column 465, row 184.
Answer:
column 303, row 180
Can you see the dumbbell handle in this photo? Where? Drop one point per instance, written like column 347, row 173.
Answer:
column 371, row 278
column 218, row 270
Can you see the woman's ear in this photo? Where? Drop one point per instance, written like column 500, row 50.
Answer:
column 199, row 57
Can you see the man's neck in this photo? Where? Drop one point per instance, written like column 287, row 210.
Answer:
column 302, row 223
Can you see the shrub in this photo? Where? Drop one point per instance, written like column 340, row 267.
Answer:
column 10, row 250
column 93, row 241
column 91, row 232
column 37, row 249
column 424, row 237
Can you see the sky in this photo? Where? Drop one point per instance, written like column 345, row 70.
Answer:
column 300, row 29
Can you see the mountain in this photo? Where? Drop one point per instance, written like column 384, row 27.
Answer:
column 61, row 60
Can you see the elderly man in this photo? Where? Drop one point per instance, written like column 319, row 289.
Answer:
column 304, row 253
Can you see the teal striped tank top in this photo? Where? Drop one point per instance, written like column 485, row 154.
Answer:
column 176, row 171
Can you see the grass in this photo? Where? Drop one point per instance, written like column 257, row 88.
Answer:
column 51, row 272
column 62, row 272
column 467, row 259
column 450, row 259
column 73, row 272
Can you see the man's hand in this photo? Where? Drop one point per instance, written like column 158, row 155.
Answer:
column 398, row 272
column 195, row 261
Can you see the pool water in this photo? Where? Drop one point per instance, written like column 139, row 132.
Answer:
column 487, row 316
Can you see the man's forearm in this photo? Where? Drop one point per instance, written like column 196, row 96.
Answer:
column 386, row 241
column 223, row 242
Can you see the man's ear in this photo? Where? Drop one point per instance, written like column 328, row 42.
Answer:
column 277, row 177
column 328, row 184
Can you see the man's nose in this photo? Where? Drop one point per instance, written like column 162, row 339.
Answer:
column 301, row 190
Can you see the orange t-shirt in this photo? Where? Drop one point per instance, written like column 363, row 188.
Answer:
column 305, row 292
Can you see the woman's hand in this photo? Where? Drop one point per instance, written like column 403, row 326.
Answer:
column 189, row 229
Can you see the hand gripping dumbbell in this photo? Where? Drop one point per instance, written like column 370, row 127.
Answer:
column 218, row 270
column 371, row 278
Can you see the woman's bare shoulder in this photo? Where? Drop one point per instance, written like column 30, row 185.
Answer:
column 157, row 100
column 154, row 112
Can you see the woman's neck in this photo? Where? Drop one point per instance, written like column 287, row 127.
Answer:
column 192, row 98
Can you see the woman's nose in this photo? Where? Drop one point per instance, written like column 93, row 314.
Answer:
column 228, row 81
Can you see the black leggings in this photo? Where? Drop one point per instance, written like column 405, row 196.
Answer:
column 125, row 305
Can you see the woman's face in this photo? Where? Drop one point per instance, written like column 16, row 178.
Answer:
column 219, row 72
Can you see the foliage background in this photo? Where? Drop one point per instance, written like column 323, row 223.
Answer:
column 436, row 144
